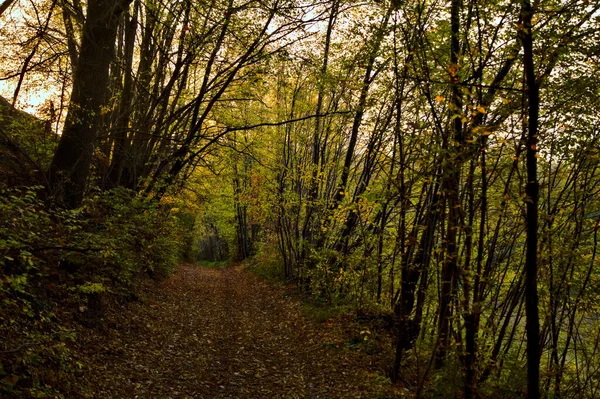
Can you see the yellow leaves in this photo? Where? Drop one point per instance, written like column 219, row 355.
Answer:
column 452, row 69
column 481, row 109
column 483, row 131
column 167, row 199
column 439, row 99
column 106, row 109
column 365, row 334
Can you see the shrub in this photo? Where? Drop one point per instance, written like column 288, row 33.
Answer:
column 58, row 265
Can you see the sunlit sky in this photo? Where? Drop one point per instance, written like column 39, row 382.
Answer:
column 37, row 88
column 31, row 97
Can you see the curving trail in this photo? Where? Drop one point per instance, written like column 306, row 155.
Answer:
column 222, row 333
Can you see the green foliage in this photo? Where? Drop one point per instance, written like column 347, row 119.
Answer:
column 213, row 265
column 269, row 270
column 126, row 236
column 92, row 288
column 28, row 133
column 56, row 265
column 321, row 312
column 267, row 262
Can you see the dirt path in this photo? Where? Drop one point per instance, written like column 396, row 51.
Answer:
column 223, row 333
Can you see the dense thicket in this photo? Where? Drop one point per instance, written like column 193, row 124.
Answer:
column 434, row 160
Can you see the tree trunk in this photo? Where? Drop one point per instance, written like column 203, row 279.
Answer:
column 532, row 191
column 70, row 165
column 120, row 173
column 451, row 187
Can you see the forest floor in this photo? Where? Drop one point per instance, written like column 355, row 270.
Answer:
column 225, row 333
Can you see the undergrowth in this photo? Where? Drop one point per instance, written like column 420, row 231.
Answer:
column 213, row 264
column 60, row 269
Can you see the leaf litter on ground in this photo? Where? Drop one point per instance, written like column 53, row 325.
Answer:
column 224, row 333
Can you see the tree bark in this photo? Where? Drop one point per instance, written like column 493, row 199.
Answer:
column 451, row 186
column 532, row 192
column 70, row 167
column 121, row 173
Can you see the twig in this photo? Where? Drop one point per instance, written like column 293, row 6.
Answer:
column 22, row 346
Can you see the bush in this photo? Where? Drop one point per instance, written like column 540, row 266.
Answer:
column 59, row 265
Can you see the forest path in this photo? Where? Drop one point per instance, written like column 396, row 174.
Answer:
column 224, row 333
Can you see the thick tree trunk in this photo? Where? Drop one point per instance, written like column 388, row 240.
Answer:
column 70, row 166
